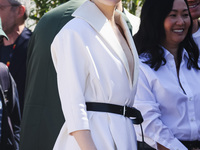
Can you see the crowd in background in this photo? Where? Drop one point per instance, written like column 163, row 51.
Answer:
column 89, row 66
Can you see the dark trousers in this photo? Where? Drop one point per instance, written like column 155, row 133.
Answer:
column 143, row 146
column 191, row 144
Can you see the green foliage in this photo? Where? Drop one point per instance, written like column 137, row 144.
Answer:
column 43, row 6
column 132, row 5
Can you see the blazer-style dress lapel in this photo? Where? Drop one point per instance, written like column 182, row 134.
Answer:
column 101, row 24
column 131, row 44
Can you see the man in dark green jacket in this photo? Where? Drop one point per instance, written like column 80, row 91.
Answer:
column 42, row 116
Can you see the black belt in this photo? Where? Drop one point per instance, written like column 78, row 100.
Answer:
column 126, row 111
column 191, row 144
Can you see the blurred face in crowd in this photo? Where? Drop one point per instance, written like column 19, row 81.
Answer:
column 8, row 16
column 194, row 7
column 177, row 23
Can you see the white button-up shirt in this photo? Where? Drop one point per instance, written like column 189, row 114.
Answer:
column 171, row 113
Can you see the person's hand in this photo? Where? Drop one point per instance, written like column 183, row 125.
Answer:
column 161, row 147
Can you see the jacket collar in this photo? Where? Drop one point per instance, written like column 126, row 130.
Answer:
column 102, row 26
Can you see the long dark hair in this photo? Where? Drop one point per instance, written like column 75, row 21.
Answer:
column 151, row 33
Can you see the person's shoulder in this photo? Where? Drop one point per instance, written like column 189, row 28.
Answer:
column 58, row 17
column 65, row 9
column 76, row 29
column 26, row 34
column 76, row 25
column 143, row 59
column 27, row 31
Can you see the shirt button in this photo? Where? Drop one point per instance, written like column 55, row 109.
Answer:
column 192, row 119
column 190, row 98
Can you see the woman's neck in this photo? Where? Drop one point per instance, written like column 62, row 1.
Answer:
column 107, row 10
column 172, row 48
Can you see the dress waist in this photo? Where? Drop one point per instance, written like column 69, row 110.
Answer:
column 126, row 111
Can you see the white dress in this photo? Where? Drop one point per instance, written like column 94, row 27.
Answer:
column 91, row 66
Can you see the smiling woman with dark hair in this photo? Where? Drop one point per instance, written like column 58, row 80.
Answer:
column 168, row 94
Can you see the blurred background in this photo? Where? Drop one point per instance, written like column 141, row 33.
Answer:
column 37, row 8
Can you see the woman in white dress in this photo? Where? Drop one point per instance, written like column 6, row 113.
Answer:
column 96, row 61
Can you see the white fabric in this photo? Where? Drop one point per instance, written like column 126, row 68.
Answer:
column 91, row 66
column 134, row 20
column 169, row 114
column 196, row 37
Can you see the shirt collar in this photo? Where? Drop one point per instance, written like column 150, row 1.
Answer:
column 169, row 55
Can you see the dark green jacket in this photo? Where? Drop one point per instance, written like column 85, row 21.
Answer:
column 42, row 117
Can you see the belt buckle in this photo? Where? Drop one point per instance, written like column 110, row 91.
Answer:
column 124, row 111
column 127, row 111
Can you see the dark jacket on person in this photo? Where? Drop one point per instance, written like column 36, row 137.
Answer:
column 17, row 65
column 11, row 116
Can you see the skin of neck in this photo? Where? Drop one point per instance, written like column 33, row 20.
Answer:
column 14, row 35
column 119, row 6
column 107, row 10
column 173, row 49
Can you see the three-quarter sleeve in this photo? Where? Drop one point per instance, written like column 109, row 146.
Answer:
column 70, row 61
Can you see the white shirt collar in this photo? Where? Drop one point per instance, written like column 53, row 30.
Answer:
column 169, row 55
